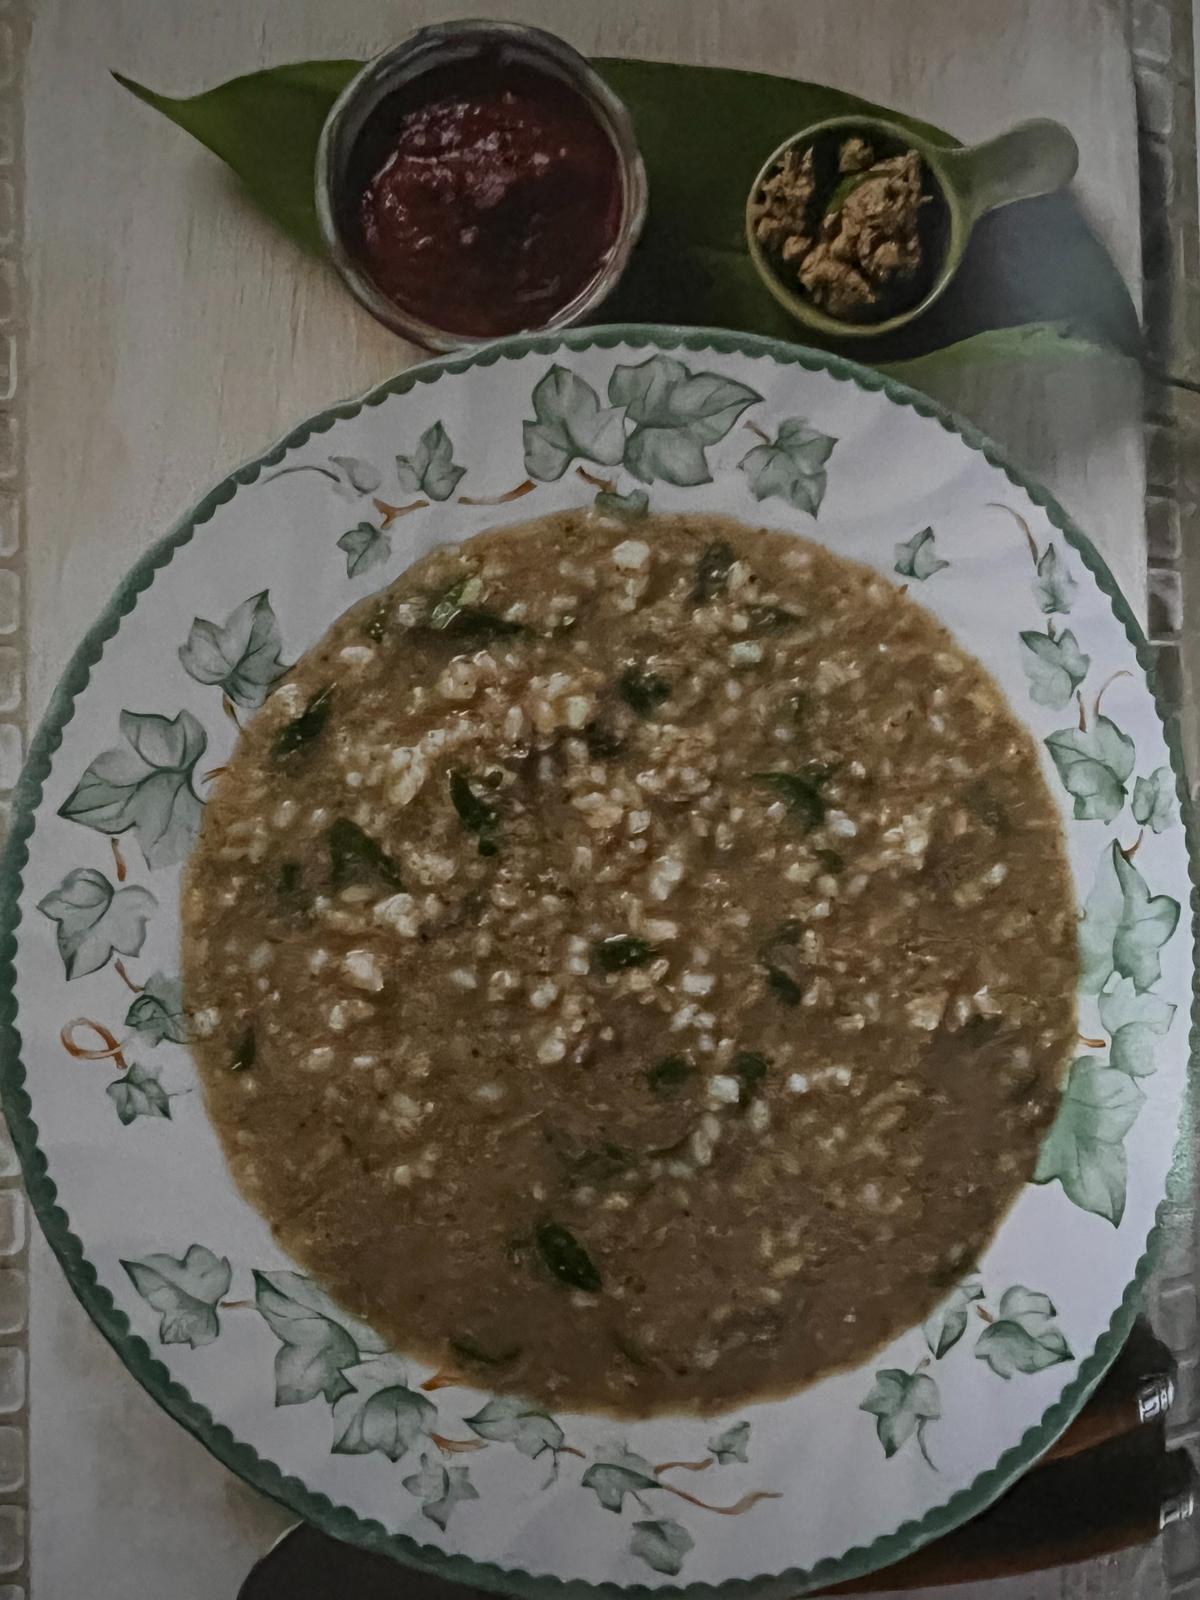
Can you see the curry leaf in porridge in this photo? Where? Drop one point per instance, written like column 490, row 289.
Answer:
column 712, row 571
column 643, row 692
column 508, row 1420
column 791, row 466
column 903, row 1404
column 667, row 1075
column 567, row 1258
column 948, row 1323
column 318, row 1340
column 139, row 1094
column 1054, row 587
column 483, row 1354
column 787, row 970
column 304, row 729
column 185, row 1291
column 917, row 558
column 731, row 1444
column 355, row 856
column 244, row 1053
column 94, row 919
column 676, row 414
column 749, row 1068
column 455, row 612
column 157, row 1013
column 1124, row 926
column 431, row 469
column 366, row 546
column 241, row 655
column 620, row 951
column 389, row 1421
column 360, row 475
column 570, row 423
column 617, row 1474
column 773, row 618
column 146, row 788
column 474, row 814
column 1084, row 1149
column 1094, row 765
column 1131, row 1020
column 440, row 1489
column 1154, row 800
column 1055, row 667
column 800, row 791
column 631, row 507
column 1023, row 1338
column 661, row 1545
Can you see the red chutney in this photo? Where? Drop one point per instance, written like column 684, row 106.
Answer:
column 492, row 196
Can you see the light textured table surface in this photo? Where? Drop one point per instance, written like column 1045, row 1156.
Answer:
column 172, row 334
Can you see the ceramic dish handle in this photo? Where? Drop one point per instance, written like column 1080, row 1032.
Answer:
column 1031, row 159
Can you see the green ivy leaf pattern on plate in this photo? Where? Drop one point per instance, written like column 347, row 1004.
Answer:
column 440, row 1489
column 157, row 1013
column 146, row 788
column 185, row 1291
column 390, row 1421
column 139, row 1094
column 360, row 475
column 661, row 1545
column 1132, row 1020
column 1085, row 1149
column 631, row 507
column 1023, row 1338
column 1055, row 667
column 1094, row 765
column 948, row 1323
column 509, row 1420
column 1124, row 926
column 1054, row 587
column 319, row 1340
column 366, row 546
column 791, row 466
column 431, row 469
column 731, row 1444
column 569, row 424
column 676, row 414
column 617, row 1473
column 917, row 557
column 903, row 1404
column 1154, row 800
column 239, row 656
column 94, row 919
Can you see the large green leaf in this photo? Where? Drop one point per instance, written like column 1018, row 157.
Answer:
column 1034, row 269
column 265, row 126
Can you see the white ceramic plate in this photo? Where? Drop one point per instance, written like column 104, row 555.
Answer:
column 128, row 1178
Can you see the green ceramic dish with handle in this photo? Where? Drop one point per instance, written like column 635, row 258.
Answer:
column 1033, row 158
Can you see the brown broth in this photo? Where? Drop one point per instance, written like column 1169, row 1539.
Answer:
column 660, row 975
